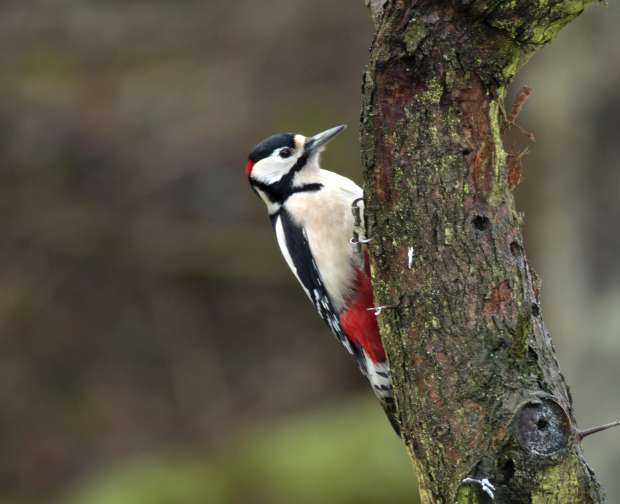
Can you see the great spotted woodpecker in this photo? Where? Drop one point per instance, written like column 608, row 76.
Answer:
column 310, row 210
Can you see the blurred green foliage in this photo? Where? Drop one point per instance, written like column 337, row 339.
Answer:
column 347, row 455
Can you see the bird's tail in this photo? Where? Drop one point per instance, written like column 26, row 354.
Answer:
column 378, row 374
column 390, row 410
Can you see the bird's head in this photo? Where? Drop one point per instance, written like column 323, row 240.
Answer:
column 279, row 157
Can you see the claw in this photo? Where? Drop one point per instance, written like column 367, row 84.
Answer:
column 485, row 485
column 356, row 240
column 356, row 201
column 357, row 212
column 378, row 309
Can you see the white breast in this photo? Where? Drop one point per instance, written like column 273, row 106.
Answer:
column 327, row 220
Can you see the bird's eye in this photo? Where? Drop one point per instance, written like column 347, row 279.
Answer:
column 286, row 152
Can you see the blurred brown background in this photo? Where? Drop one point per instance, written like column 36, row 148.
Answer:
column 155, row 348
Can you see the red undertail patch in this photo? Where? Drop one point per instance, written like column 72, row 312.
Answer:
column 359, row 324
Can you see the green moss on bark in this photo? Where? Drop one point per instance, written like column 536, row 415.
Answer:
column 559, row 483
column 464, row 347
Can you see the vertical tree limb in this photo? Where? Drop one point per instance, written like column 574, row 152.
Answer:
column 477, row 383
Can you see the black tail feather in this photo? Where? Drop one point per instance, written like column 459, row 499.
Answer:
column 390, row 410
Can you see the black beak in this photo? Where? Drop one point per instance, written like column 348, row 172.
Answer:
column 314, row 144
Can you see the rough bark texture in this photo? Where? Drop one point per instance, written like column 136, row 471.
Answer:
column 477, row 384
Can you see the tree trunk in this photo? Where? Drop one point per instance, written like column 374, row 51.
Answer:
column 477, row 384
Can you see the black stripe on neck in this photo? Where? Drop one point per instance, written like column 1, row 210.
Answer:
column 307, row 188
column 280, row 191
column 279, row 195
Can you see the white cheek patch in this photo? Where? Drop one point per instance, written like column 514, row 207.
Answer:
column 271, row 169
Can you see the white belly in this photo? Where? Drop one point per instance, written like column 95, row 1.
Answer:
column 327, row 219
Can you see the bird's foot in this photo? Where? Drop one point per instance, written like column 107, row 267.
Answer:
column 377, row 310
column 485, row 485
column 358, row 239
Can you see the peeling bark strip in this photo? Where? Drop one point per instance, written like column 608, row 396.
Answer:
column 477, row 383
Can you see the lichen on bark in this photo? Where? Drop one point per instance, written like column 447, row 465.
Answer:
column 477, row 384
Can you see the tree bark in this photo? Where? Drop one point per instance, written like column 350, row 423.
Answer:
column 477, row 384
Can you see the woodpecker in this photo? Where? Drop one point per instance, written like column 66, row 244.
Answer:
column 310, row 210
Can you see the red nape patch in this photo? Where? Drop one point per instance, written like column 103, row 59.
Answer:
column 248, row 167
column 359, row 324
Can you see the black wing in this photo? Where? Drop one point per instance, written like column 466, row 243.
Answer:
column 307, row 273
